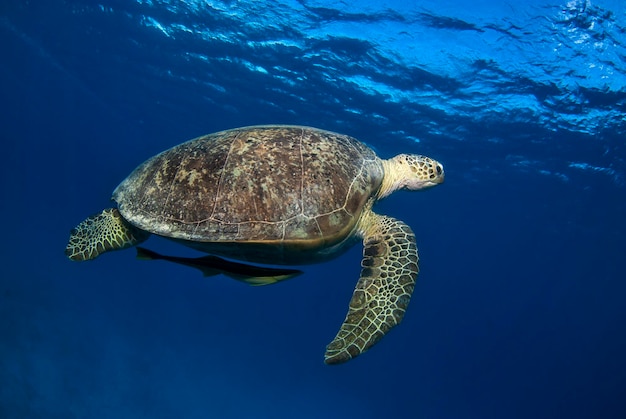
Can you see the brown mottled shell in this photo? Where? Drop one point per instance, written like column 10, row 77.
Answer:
column 295, row 187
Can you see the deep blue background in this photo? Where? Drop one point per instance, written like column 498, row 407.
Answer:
column 520, row 305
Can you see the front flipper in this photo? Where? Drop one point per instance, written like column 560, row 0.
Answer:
column 214, row 265
column 388, row 274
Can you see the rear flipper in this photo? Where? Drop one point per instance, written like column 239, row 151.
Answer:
column 101, row 233
column 213, row 265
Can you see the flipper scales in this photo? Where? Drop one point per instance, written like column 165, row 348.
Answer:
column 388, row 272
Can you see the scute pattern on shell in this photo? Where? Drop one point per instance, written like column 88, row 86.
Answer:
column 265, row 184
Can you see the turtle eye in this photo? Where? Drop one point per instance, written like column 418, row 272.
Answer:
column 439, row 169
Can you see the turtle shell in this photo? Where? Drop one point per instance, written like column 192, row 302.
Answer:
column 279, row 192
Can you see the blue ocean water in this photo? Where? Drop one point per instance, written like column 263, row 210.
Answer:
column 520, row 306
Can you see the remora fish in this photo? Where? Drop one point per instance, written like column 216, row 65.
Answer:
column 214, row 265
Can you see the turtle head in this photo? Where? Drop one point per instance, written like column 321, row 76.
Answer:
column 411, row 172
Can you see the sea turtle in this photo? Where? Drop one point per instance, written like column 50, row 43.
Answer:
column 281, row 195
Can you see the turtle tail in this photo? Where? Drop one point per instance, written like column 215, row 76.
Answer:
column 101, row 233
